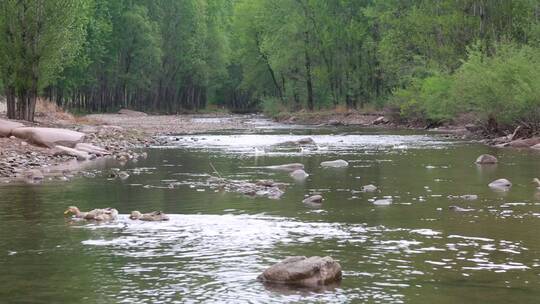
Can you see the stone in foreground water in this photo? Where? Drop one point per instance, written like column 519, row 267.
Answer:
column 303, row 271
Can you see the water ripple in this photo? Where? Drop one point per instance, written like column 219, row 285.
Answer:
column 215, row 258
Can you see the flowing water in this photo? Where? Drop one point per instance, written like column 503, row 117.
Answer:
column 414, row 250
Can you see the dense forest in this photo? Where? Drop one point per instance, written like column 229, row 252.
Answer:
column 428, row 60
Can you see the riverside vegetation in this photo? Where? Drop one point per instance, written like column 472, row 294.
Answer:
column 465, row 61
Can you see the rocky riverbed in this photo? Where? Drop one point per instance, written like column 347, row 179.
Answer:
column 123, row 133
column 120, row 135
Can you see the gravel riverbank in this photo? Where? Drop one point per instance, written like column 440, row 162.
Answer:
column 120, row 134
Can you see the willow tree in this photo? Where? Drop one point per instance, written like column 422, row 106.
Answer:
column 37, row 39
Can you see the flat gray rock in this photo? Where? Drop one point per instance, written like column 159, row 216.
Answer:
column 339, row 163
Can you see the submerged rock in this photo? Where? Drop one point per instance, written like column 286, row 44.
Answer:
column 123, row 175
column 303, row 271
column 459, row 209
column 369, row 188
column 287, row 167
column 314, row 199
column 340, row 163
column 299, row 174
column 486, row 159
column 467, row 197
column 500, row 184
column 383, row 202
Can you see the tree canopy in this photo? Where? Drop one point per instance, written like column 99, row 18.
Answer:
column 424, row 58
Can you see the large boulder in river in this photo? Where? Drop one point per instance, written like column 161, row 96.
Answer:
column 49, row 137
column 340, row 163
column 486, row 159
column 500, row 184
column 6, row 127
column 302, row 271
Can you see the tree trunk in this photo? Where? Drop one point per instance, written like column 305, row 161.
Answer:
column 11, row 101
column 309, row 84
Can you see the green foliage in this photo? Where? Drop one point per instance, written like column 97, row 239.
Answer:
column 432, row 59
column 38, row 38
column 428, row 99
column 272, row 107
column 504, row 87
column 501, row 89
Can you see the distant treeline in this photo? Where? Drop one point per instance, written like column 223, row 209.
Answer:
column 429, row 60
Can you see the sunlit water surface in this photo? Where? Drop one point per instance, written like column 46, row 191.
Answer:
column 414, row 250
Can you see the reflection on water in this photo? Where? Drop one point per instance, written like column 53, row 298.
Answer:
column 414, row 249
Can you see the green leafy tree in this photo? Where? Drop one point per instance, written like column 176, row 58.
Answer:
column 38, row 38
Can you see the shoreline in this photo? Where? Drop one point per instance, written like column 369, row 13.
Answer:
column 464, row 131
column 122, row 134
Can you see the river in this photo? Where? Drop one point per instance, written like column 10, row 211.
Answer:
column 414, row 250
